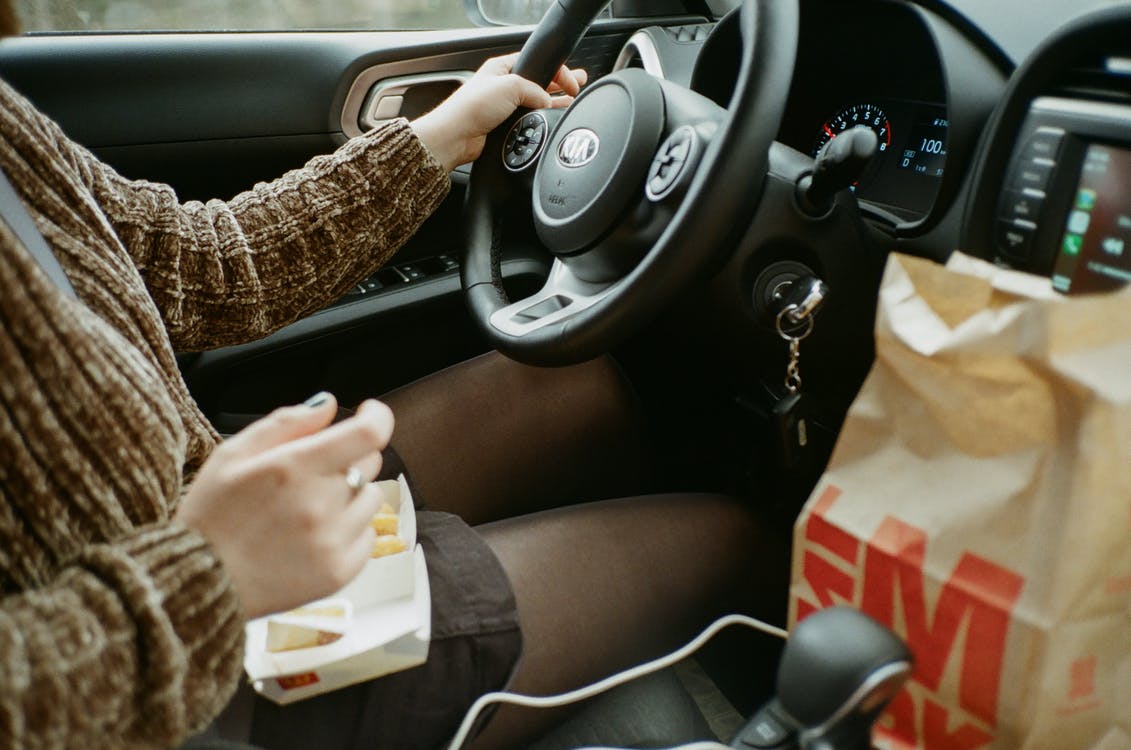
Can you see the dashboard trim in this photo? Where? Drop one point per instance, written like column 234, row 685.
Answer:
column 1116, row 114
column 645, row 48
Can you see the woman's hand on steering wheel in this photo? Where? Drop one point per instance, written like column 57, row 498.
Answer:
column 638, row 190
column 456, row 130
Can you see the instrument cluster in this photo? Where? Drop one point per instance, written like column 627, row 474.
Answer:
column 871, row 65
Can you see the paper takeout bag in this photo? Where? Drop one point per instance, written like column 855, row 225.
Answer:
column 978, row 502
column 389, row 631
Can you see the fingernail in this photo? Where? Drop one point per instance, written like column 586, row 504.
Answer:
column 317, row 399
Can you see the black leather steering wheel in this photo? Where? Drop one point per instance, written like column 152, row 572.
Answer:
column 634, row 190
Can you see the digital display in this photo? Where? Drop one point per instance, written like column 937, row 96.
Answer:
column 1095, row 251
column 924, row 151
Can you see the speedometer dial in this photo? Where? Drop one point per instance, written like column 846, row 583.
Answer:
column 867, row 115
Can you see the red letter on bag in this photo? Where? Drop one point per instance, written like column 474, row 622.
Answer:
column 977, row 587
column 823, row 577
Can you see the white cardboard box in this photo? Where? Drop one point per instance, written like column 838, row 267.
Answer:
column 390, row 629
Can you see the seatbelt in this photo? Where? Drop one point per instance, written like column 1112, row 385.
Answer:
column 15, row 215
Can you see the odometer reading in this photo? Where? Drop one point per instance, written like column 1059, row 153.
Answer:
column 925, row 152
column 858, row 115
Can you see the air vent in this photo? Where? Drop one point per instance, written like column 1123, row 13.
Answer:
column 686, row 34
column 1105, row 79
column 597, row 54
column 634, row 60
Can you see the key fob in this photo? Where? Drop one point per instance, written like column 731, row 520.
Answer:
column 790, row 418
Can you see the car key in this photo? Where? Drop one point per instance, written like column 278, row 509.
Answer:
column 790, row 414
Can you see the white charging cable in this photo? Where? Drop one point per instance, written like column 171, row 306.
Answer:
column 582, row 693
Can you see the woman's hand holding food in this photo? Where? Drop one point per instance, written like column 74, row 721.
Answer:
column 456, row 131
column 287, row 502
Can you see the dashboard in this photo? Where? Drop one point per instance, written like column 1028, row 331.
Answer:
column 1053, row 188
column 871, row 65
column 1033, row 162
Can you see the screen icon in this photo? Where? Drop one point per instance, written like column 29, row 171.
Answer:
column 1112, row 245
column 1086, row 199
column 1072, row 244
column 1078, row 222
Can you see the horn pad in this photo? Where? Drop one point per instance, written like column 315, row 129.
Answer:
column 594, row 167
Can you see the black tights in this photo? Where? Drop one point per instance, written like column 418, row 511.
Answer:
column 601, row 585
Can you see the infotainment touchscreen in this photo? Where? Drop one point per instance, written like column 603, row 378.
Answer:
column 1095, row 251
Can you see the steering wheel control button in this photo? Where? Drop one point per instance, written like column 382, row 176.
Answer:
column 533, row 127
column 524, row 141
column 669, row 163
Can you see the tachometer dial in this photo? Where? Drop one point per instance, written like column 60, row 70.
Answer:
column 867, row 115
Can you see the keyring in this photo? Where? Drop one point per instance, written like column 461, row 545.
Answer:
column 781, row 329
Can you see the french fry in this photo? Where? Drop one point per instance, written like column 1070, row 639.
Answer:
column 387, row 544
column 385, row 524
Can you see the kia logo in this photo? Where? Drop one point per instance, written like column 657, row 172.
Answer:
column 578, row 148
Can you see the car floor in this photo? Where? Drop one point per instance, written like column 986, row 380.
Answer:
column 677, row 705
column 721, row 716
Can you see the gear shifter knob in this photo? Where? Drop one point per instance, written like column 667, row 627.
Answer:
column 837, row 673
column 839, row 670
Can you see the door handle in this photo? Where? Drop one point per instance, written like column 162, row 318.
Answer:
column 386, row 100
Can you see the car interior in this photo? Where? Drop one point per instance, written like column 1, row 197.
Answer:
column 758, row 163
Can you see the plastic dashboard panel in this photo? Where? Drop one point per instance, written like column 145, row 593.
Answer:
column 1070, row 65
column 901, row 58
column 256, row 103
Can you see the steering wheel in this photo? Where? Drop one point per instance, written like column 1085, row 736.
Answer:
column 633, row 190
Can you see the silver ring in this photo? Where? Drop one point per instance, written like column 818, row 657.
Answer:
column 355, row 479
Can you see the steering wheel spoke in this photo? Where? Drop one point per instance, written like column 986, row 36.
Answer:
column 635, row 190
column 563, row 296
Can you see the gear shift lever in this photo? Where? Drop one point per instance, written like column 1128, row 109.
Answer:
column 839, row 670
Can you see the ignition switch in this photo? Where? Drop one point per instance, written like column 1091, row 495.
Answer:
column 788, row 283
column 802, row 298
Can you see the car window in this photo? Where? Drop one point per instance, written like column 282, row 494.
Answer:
column 1018, row 26
column 265, row 15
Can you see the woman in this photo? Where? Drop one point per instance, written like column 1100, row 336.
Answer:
column 135, row 544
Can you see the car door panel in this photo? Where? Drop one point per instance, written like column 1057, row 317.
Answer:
column 212, row 114
column 162, row 92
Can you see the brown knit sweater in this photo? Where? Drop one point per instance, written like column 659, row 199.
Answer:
column 119, row 628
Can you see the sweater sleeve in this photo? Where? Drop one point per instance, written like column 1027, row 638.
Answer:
column 227, row 272
column 135, row 644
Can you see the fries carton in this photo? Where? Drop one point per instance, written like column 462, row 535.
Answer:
column 379, row 623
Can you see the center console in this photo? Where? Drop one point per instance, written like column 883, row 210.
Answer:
column 1065, row 207
column 1051, row 193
